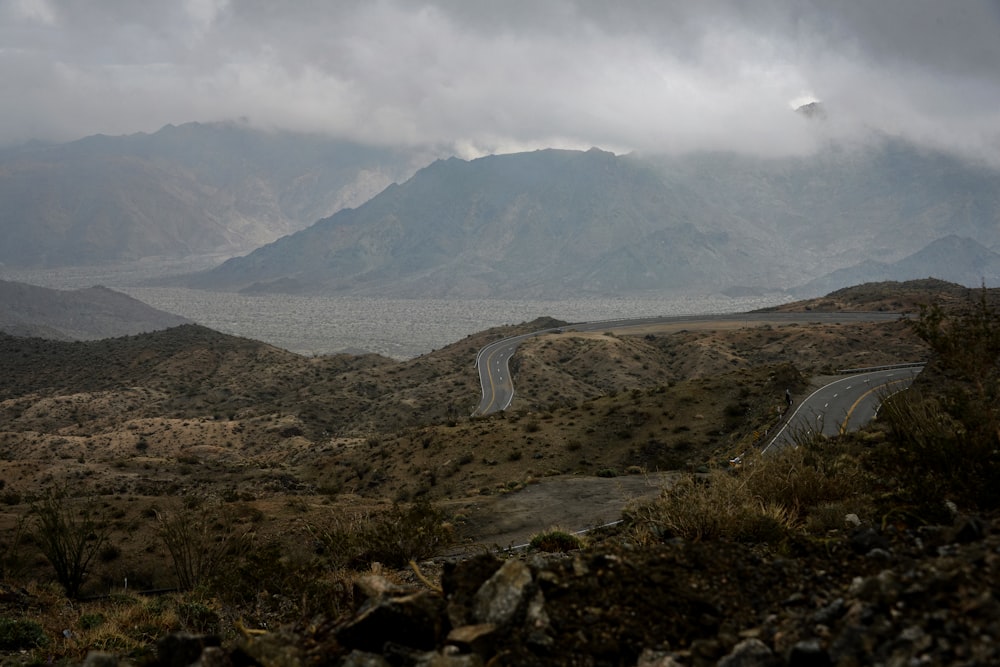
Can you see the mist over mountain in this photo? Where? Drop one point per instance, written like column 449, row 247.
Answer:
column 952, row 258
column 552, row 223
column 217, row 188
column 85, row 314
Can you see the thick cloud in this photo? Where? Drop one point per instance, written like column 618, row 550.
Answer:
column 473, row 77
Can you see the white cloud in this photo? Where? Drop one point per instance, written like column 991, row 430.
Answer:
column 480, row 76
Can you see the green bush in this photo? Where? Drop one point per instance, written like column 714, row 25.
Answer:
column 198, row 617
column 555, row 541
column 90, row 621
column 18, row 634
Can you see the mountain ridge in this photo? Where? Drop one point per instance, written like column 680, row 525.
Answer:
column 183, row 190
column 83, row 314
column 550, row 224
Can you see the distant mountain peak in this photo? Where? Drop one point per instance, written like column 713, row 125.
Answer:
column 814, row 110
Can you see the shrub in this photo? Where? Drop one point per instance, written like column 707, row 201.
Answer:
column 199, row 545
column 393, row 538
column 12, row 562
column 196, row 616
column 947, row 444
column 555, row 540
column 18, row 634
column 278, row 582
column 68, row 539
column 759, row 502
column 90, row 621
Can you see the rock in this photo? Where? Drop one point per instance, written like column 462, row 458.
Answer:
column 651, row 658
column 181, row 649
column 865, row 539
column 498, row 600
column 444, row 660
column 460, row 583
column 415, row 621
column 749, row 653
column 375, row 586
column 362, row 659
column 852, row 520
column 480, row 638
column 808, row 653
column 214, row 656
column 830, row 612
column 968, row 529
column 278, row 649
column 100, row 659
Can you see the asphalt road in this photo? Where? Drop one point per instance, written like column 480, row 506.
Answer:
column 843, row 405
column 493, row 360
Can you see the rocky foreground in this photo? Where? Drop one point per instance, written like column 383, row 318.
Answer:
column 873, row 596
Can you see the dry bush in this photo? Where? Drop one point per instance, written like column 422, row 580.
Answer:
column 935, row 456
column 200, row 543
column 68, row 537
column 280, row 581
column 393, row 538
column 948, row 445
column 764, row 499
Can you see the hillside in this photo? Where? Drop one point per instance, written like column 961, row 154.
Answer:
column 380, row 428
column 193, row 189
column 552, row 224
column 300, row 455
column 85, row 314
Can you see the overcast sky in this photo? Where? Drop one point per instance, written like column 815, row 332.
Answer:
column 472, row 77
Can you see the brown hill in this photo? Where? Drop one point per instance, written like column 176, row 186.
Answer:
column 85, row 314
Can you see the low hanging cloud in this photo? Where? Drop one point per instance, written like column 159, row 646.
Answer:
column 476, row 77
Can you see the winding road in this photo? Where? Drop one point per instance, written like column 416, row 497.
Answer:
column 844, row 405
column 493, row 360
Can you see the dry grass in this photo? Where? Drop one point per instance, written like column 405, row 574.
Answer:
column 761, row 501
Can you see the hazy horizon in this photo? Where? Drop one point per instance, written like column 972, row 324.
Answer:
column 469, row 78
column 393, row 327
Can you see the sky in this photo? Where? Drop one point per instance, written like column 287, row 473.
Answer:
column 470, row 77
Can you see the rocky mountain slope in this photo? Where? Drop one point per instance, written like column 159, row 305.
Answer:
column 194, row 189
column 567, row 223
column 85, row 314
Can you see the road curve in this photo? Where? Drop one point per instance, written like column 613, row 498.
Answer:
column 843, row 405
column 493, row 360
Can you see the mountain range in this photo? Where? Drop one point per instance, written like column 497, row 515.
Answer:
column 953, row 258
column 557, row 224
column 86, row 314
column 193, row 189
column 543, row 224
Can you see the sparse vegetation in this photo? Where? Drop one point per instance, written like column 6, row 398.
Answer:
column 285, row 465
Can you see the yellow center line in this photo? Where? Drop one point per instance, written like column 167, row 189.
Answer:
column 489, row 374
column 850, row 411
